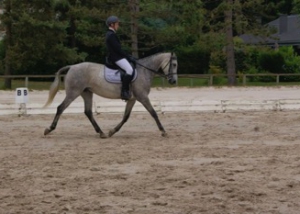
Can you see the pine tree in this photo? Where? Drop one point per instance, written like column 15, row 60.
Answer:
column 231, row 18
column 36, row 38
column 7, row 22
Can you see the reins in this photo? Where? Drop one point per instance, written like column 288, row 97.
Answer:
column 152, row 70
column 158, row 73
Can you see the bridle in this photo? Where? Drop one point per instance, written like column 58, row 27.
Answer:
column 170, row 73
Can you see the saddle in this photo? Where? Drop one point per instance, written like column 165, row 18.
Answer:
column 113, row 73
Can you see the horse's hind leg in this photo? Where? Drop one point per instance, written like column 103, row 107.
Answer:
column 147, row 104
column 88, row 104
column 60, row 109
column 128, row 108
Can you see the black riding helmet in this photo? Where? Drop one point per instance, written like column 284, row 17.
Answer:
column 112, row 19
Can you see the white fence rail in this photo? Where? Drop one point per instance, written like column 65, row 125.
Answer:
column 243, row 79
column 191, row 106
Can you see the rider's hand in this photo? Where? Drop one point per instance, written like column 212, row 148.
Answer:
column 131, row 59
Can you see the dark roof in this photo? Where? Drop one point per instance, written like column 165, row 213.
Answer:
column 288, row 32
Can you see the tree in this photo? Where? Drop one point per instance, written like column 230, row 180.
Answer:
column 85, row 29
column 44, row 35
column 220, row 20
column 172, row 22
column 134, row 12
column 230, row 57
column 296, row 6
column 35, row 38
column 7, row 21
column 231, row 18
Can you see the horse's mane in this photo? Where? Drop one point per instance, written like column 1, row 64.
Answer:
column 151, row 56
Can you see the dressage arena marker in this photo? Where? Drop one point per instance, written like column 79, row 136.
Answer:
column 183, row 106
column 21, row 96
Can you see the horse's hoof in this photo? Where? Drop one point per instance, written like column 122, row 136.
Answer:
column 111, row 133
column 164, row 134
column 103, row 136
column 47, row 131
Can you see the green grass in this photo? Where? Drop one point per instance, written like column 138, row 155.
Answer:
column 32, row 85
column 218, row 82
column 182, row 82
column 272, row 84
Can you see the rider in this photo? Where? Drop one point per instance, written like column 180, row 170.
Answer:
column 118, row 56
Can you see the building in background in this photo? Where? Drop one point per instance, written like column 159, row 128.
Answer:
column 287, row 28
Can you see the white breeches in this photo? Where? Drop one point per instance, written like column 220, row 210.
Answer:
column 125, row 65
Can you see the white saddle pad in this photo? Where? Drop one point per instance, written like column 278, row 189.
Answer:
column 114, row 76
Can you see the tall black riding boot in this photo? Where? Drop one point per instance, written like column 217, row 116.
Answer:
column 125, row 93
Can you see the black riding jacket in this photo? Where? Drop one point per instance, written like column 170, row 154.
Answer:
column 114, row 47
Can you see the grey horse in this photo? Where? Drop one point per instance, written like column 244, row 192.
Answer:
column 87, row 78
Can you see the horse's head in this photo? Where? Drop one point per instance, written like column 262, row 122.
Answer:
column 169, row 67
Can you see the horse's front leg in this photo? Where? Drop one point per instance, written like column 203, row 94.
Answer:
column 128, row 109
column 147, row 104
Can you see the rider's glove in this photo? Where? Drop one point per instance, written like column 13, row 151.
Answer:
column 131, row 59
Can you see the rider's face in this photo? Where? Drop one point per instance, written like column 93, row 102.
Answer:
column 115, row 26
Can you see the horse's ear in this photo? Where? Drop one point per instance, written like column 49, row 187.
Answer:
column 173, row 55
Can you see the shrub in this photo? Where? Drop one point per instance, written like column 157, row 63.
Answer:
column 291, row 65
column 217, row 70
column 192, row 60
column 271, row 61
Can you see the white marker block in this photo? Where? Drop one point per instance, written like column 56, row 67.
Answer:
column 21, row 95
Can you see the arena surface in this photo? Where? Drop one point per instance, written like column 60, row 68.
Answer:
column 244, row 162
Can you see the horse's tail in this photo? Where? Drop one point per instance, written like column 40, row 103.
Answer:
column 55, row 85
